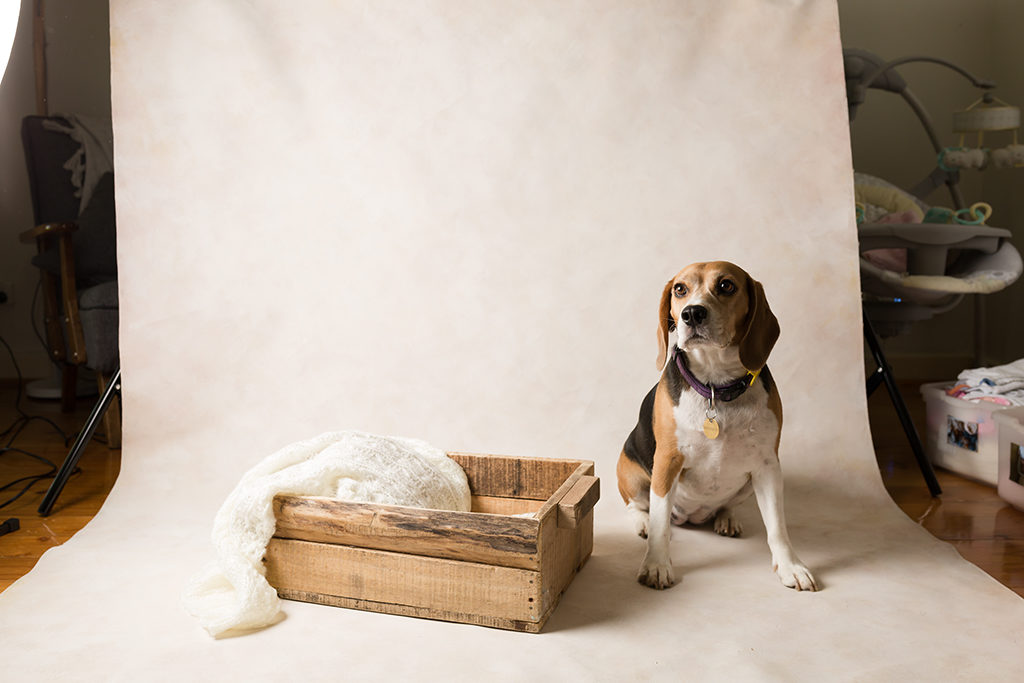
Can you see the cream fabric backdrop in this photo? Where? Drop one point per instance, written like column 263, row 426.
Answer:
column 452, row 221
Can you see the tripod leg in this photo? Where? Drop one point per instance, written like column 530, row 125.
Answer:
column 874, row 381
column 885, row 372
column 113, row 389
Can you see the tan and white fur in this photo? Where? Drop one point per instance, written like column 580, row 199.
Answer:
column 669, row 471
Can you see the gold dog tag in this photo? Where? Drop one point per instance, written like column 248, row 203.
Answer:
column 711, row 429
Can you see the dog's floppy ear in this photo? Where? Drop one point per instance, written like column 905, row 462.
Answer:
column 762, row 329
column 665, row 324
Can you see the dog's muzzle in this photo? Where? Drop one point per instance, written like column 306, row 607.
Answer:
column 692, row 316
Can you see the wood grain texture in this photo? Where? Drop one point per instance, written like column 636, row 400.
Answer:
column 317, row 553
column 471, row 536
column 578, row 501
column 580, row 469
column 74, row 336
column 495, row 505
column 514, row 477
column 380, row 576
column 563, row 553
column 50, row 284
column 418, row 612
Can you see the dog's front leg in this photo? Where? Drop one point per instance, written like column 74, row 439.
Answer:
column 656, row 570
column 768, row 491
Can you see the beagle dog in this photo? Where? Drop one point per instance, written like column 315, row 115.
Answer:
column 708, row 433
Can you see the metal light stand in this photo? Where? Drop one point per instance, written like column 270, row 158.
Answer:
column 883, row 373
column 71, row 461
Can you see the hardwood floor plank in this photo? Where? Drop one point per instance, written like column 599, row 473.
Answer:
column 1002, row 559
column 81, row 498
column 971, row 516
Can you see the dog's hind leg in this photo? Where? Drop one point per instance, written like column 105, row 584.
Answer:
column 640, row 516
column 726, row 523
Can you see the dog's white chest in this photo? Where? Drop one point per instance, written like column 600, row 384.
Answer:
column 715, row 470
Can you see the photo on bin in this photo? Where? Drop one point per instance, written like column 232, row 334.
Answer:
column 1016, row 464
column 962, row 434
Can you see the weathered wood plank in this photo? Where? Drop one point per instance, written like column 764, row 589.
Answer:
column 443, row 586
column 514, row 477
column 563, row 552
column 469, row 536
column 494, row 505
column 420, row 612
column 578, row 501
column 414, row 562
column 550, row 506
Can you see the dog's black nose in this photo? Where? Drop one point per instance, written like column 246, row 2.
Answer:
column 693, row 315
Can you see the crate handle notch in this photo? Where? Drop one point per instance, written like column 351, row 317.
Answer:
column 578, row 501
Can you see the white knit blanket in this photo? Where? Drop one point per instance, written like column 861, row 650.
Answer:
column 232, row 595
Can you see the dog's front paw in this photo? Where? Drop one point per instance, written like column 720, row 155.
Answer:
column 656, row 575
column 796, row 575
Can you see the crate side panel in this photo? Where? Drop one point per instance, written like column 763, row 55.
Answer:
column 469, row 536
column 550, row 506
column 586, row 540
column 386, row 577
column 409, row 611
column 578, row 501
column 512, row 477
column 493, row 505
column 563, row 552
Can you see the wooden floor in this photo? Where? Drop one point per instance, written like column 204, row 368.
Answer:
column 970, row 516
column 78, row 503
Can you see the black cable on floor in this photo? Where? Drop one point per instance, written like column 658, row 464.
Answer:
column 15, row 430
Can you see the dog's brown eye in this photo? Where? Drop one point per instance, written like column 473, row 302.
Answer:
column 679, row 289
column 727, row 287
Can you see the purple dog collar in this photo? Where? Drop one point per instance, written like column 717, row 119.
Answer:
column 725, row 392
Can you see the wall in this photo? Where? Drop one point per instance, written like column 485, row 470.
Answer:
column 889, row 142
column 1005, row 323
column 78, row 56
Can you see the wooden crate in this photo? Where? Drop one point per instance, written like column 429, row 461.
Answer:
column 505, row 564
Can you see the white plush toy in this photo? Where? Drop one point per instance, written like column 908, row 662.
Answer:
column 1008, row 157
column 965, row 158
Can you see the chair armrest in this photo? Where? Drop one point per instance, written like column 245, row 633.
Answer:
column 47, row 229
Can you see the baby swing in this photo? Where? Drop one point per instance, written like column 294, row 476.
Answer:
column 916, row 260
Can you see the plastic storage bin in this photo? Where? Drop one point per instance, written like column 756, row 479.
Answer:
column 1011, row 456
column 962, row 436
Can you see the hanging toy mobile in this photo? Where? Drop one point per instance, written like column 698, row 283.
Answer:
column 988, row 114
